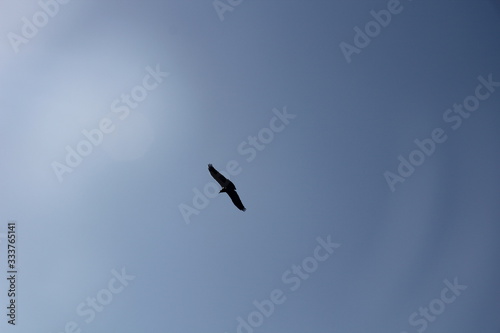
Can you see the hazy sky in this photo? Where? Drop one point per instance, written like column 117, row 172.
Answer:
column 362, row 137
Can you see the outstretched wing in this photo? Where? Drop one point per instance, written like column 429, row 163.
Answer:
column 236, row 200
column 223, row 181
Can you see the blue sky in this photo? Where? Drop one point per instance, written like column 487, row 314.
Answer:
column 370, row 177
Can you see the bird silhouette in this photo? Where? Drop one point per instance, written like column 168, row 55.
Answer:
column 227, row 186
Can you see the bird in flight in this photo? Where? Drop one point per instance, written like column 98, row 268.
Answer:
column 227, row 186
